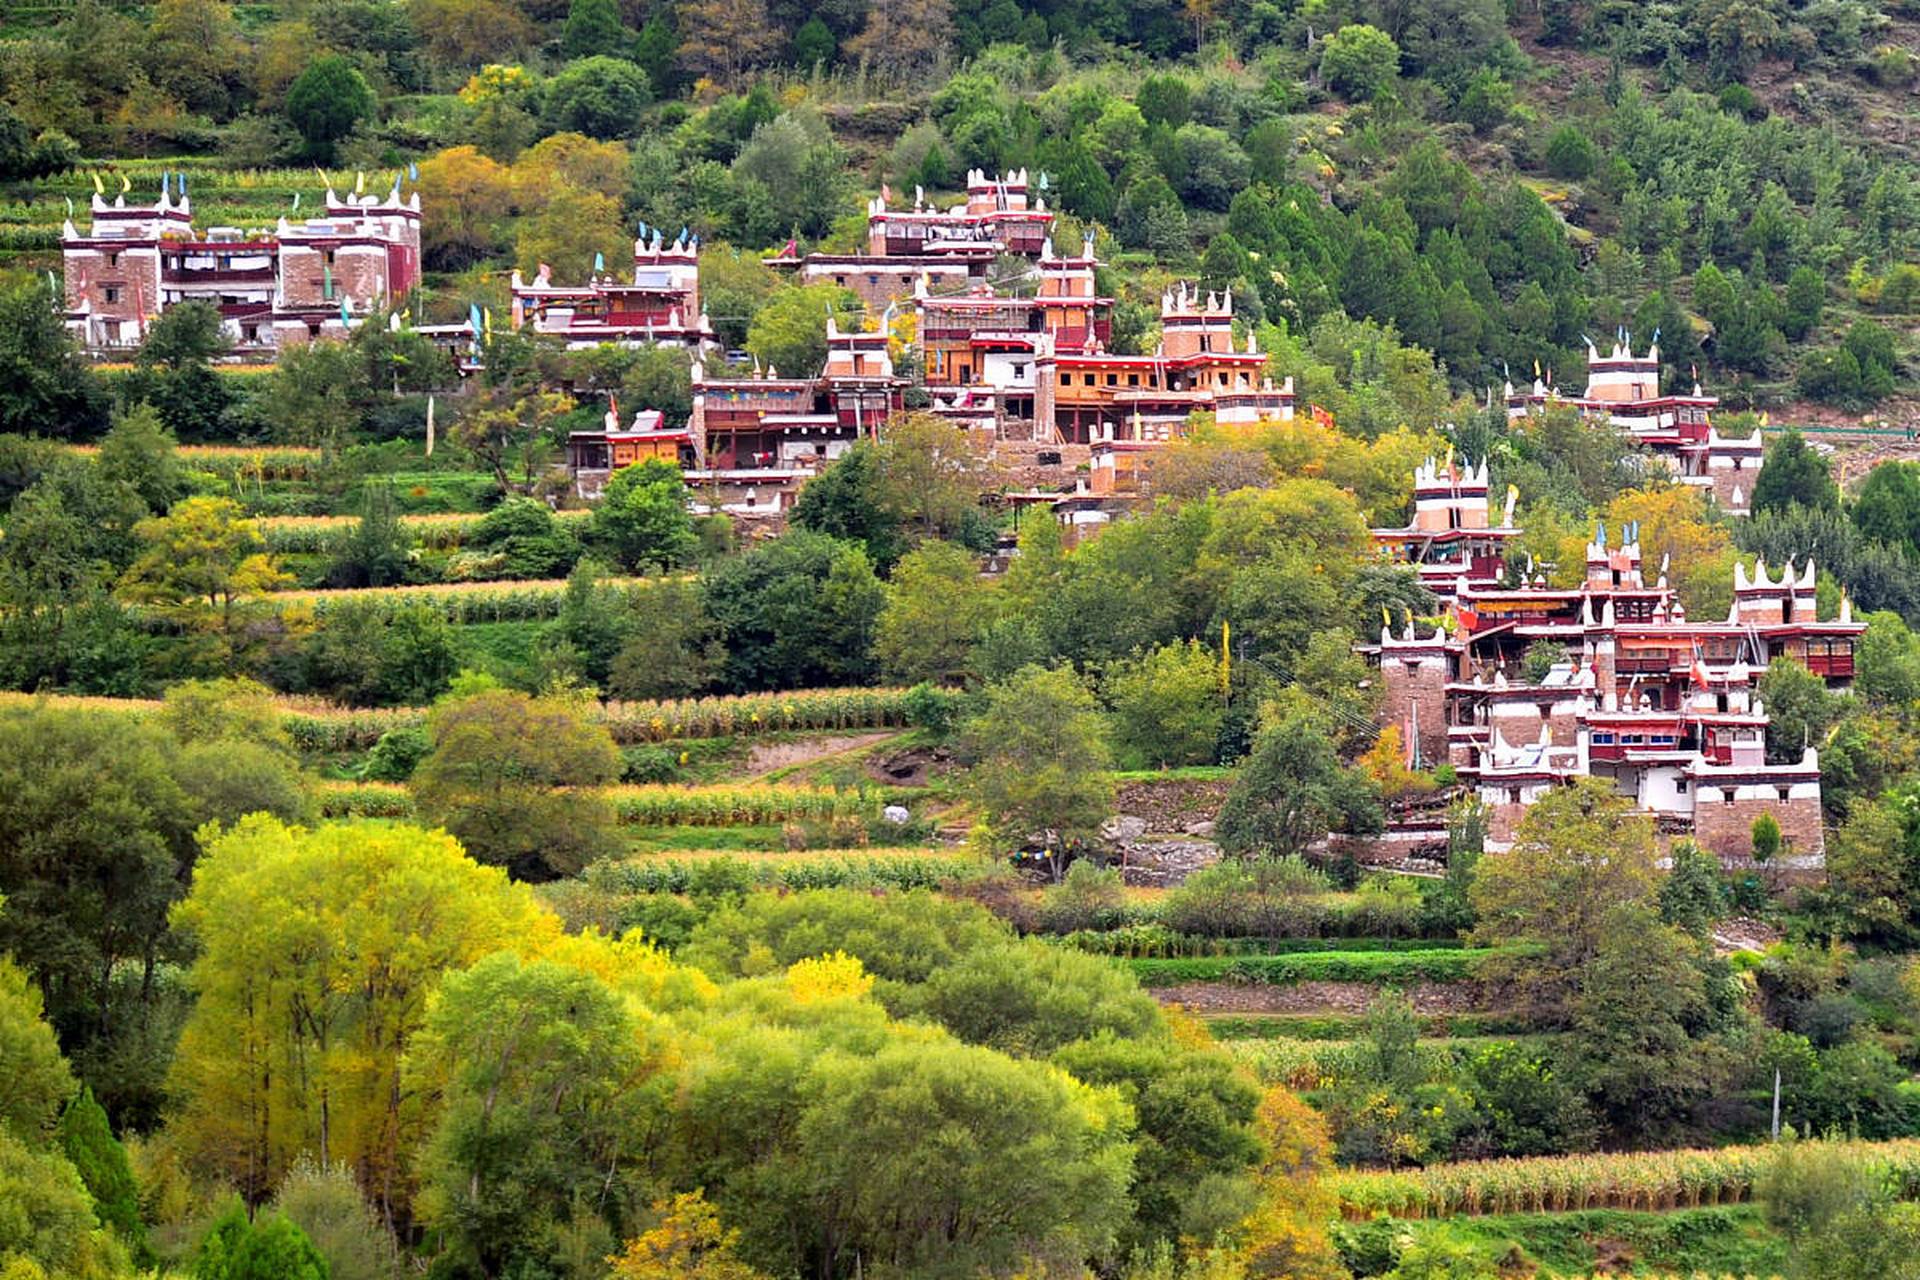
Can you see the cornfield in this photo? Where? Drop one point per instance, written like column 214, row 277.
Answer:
column 240, row 463
column 756, row 713
column 319, row 728
column 648, row 806
column 748, row 806
column 459, row 602
column 326, row 535
column 1647, row 1181
column 365, row 800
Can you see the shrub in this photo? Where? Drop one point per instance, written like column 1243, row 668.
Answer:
column 1570, row 153
column 397, row 754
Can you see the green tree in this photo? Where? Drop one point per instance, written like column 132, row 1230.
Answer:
column 378, row 551
column 1167, row 706
column 643, row 519
column 175, row 371
column 1042, row 1169
column 676, row 653
column 1793, row 473
column 328, row 1208
column 813, row 44
column 593, row 27
column 88, row 1141
column 1582, row 853
column 1039, row 757
column 936, row 605
column 1887, row 508
column 541, row 1073
column 515, row 778
column 788, row 333
column 325, row 103
column 141, row 452
column 321, row 394
column 1642, row 1000
column 1800, row 709
column 1292, row 791
column 37, row 1077
column 848, row 501
column 46, row 385
column 1806, row 299
column 1570, row 153
column 599, row 96
column 1358, row 61
column 1693, row 897
column 799, row 611
column 933, row 475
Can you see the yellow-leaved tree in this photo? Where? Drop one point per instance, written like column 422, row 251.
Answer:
column 318, row 950
column 688, row 1243
column 203, row 565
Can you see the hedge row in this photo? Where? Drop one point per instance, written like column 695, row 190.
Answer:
column 1429, row 965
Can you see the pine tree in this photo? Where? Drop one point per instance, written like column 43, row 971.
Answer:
column 88, row 1141
column 593, row 28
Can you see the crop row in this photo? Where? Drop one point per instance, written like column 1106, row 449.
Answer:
column 890, row 869
column 1152, row 941
column 459, row 602
column 1319, row 1064
column 1649, row 1180
column 320, row 728
column 326, row 535
column 1429, row 965
column 648, row 806
column 241, row 463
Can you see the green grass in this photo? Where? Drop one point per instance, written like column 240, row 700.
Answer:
column 1733, row 1240
column 1426, row 965
column 646, row 840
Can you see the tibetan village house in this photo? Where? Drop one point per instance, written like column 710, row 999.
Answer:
column 950, row 249
column 1624, row 390
column 1662, row 704
column 660, row 305
column 301, row 281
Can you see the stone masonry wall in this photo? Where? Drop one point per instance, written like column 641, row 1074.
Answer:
column 1726, row 830
column 1424, row 685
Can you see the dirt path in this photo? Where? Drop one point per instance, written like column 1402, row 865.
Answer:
column 768, row 758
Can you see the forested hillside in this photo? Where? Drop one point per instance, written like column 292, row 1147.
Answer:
column 1734, row 174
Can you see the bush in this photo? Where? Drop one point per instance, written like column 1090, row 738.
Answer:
column 397, row 754
column 650, row 764
column 934, row 709
column 1741, row 100
column 1359, row 61
column 1570, row 153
